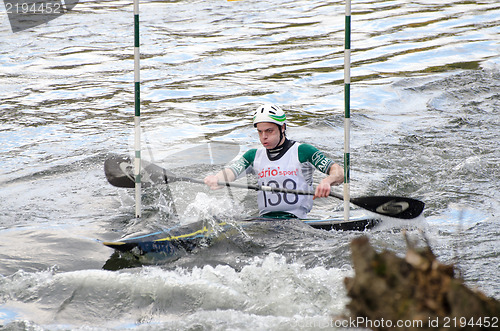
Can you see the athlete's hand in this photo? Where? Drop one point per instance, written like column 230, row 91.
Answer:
column 335, row 177
column 212, row 182
column 223, row 176
column 322, row 190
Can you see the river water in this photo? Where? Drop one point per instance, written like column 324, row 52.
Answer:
column 425, row 100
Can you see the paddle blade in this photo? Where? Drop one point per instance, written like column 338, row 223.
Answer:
column 398, row 207
column 119, row 171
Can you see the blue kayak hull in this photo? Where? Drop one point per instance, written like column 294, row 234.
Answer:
column 186, row 238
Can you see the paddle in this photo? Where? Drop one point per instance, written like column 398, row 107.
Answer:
column 119, row 173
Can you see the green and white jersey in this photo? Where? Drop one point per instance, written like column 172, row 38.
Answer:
column 293, row 170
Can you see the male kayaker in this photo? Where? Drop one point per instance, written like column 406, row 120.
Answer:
column 283, row 163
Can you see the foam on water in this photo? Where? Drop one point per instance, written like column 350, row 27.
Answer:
column 268, row 291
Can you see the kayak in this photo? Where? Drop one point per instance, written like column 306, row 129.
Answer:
column 188, row 237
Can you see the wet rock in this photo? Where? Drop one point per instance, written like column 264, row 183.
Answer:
column 413, row 293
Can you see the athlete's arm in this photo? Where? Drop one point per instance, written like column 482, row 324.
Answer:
column 232, row 172
column 309, row 153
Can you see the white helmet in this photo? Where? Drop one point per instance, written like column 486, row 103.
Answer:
column 269, row 113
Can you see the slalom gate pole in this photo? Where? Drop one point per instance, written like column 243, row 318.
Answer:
column 137, row 117
column 347, row 110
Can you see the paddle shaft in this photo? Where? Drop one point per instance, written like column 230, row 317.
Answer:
column 251, row 187
column 245, row 186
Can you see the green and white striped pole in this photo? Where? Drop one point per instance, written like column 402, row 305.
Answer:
column 137, row 117
column 347, row 109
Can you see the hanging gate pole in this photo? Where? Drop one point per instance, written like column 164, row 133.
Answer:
column 137, row 117
column 347, row 109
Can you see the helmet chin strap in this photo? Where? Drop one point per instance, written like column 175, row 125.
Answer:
column 282, row 134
